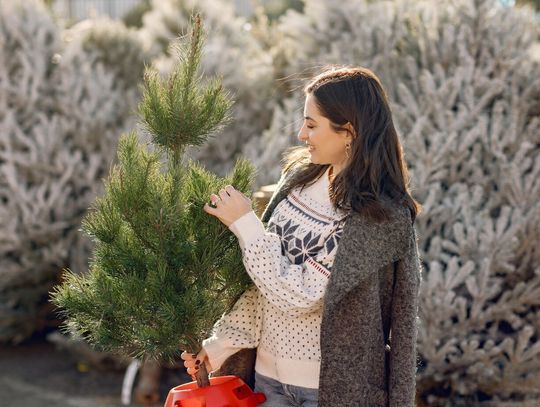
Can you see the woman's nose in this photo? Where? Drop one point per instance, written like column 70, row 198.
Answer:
column 301, row 135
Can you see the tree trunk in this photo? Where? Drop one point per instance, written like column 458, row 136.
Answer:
column 202, row 376
column 147, row 391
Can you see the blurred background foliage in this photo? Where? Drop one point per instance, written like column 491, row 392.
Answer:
column 463, row 78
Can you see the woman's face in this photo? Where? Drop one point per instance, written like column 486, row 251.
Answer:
column 326, row 146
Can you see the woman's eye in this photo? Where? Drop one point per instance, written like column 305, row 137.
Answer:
column 310, row 127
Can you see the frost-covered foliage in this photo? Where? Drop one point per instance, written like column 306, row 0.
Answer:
column 465, row 94
column 267, row 150
column 110, row 43
column 468, row 106
column 167, row 19
column 62, row 108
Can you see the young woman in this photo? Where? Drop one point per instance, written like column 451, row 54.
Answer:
column 333, row 310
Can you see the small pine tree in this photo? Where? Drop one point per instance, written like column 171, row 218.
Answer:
column 163, row 270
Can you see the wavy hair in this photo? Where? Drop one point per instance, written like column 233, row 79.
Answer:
column 376, row 173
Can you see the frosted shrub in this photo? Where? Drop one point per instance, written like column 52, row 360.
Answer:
column 62, row 108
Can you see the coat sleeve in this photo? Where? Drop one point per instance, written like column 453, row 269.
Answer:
column 403, row 330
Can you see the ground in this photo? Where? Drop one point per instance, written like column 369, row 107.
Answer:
column 35, row 373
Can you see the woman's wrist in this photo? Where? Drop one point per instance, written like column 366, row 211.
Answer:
column 247, row 228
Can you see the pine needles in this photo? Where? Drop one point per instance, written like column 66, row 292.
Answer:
column 179, row 111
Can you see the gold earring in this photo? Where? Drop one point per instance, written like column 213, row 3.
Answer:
column 348, row 150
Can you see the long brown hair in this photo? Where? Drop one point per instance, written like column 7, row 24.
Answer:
column 376, row 173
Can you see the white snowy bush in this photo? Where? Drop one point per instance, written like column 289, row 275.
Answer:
column 465, row 94
column 167, row 19
column 62, row 108
column 468, row 105
column 110, row 43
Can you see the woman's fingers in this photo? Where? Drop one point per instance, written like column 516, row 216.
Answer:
column 186, row 355
column 193, row 365
column 192, row 370
column 209, row 209
column 229, row 205
column 190, row 362
column 232, row 191
column 223, row 194
column 214, row 199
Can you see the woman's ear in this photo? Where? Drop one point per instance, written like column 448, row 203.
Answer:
column 351, row 131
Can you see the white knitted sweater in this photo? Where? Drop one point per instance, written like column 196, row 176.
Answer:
column 290, row 264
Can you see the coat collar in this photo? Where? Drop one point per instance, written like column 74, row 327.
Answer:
column 366, row 247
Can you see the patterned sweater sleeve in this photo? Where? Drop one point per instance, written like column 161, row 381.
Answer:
column 293, row 288
column 238, row 329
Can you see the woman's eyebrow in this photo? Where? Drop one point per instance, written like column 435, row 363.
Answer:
column 309, row 118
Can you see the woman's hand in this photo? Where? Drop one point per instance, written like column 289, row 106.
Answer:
column 231, row 205
column 192, row 362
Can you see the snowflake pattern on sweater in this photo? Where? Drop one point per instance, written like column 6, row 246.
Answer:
column 321, row 242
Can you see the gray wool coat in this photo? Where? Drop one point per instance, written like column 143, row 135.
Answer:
column 369, row 322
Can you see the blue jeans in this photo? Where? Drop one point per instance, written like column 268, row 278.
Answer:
column 285, row 395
